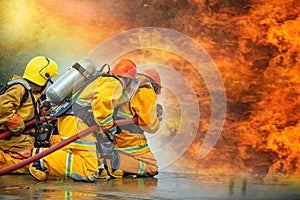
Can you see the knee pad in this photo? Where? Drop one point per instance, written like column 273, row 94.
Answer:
column 115, row 160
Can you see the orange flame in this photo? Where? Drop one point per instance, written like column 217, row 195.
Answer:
column 254, row 44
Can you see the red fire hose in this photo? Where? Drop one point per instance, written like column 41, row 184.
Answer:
column 58, row 146
column 27, row 124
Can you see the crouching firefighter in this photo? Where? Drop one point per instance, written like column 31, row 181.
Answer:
column 18, row 104
column 134, row 155
column 93, row 103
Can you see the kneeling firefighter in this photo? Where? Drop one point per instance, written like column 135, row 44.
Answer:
column 93, row 103
column 132, row 154
column 19, row 104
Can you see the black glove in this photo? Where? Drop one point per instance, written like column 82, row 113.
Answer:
column 114, row 130
column 110, row 133
column 159, row 111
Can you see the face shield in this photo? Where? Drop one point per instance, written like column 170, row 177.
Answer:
column 131, row 86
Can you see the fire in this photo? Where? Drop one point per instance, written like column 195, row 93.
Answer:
column 254, row 44
column 261, row 75
column 269, row 143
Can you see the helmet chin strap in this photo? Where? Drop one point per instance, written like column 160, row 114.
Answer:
column 36, row 88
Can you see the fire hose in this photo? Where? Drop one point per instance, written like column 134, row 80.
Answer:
column 27, row 124
column 58, row 146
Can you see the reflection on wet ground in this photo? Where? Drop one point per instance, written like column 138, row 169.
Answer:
column 163, row 186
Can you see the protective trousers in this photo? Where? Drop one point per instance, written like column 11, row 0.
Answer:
column 72, row 164
column 78, row 160
column 135, row 154
column 15, row 150
column 139, row 164
column 7, row 160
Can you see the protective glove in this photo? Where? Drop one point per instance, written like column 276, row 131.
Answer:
column 114, row 130
column 16, row 124
column 110, row 133
column 159, row 111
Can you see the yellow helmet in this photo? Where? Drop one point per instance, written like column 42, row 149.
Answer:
column 40, row 69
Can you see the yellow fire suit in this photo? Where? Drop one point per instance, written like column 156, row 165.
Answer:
column 78, row 160
column 16, row 148
column 131, row 144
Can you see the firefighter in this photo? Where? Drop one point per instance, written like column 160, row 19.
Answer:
column 131, row 152
column 17, row 107
column 95, row 105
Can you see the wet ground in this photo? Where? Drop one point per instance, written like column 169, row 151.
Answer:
column 164, row 186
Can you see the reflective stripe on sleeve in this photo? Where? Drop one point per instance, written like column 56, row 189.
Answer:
column 80, row 142
column 107, row 120
column 133, row 149
column 124, row 115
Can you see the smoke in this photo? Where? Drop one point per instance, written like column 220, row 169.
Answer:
column 253, row 43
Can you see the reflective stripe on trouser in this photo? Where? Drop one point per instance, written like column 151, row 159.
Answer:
column 138, row 163
column 77, row 160
column 78, row 165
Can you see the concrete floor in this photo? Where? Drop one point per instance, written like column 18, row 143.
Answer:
column 166, row 185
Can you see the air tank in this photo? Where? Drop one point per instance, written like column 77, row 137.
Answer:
column 70, row 81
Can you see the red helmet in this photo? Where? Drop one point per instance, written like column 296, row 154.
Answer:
column 125, row 68
column 153, row 74
column 155, row 77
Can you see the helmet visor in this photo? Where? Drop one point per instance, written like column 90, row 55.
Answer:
column 131, row 86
